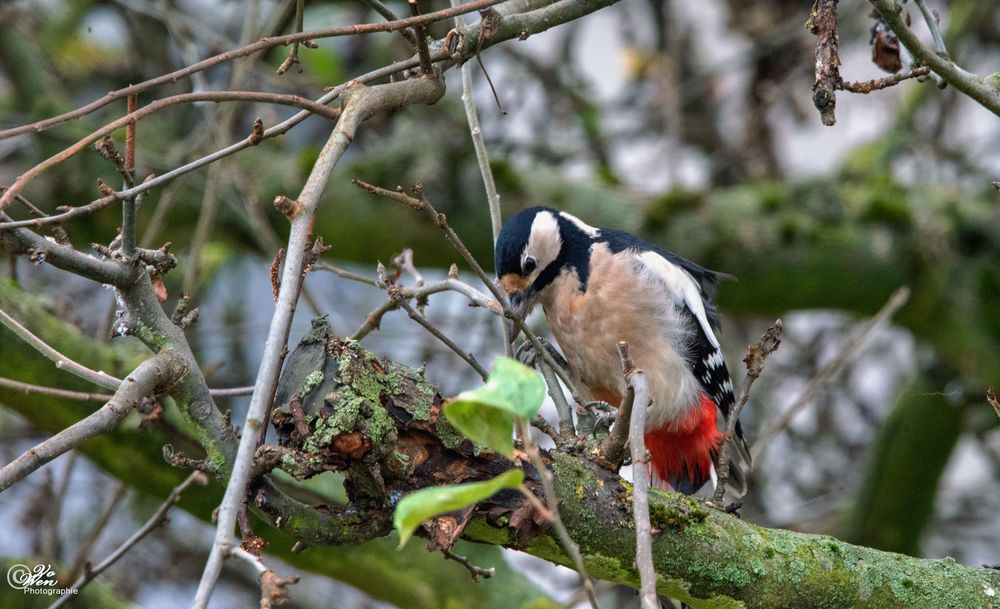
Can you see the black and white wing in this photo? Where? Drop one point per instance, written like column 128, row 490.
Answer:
column 693, row 290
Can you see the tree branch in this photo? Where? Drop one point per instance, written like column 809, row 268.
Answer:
column 260, row 45
column 982, row 90
column 360, row 103
column 155, row 376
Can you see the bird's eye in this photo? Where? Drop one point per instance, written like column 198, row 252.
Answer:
column 528, row 265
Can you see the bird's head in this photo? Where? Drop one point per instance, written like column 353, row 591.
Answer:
column 533, row 248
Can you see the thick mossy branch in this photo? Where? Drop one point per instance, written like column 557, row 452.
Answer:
column 703, row 556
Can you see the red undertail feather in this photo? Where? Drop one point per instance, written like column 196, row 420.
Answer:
column 682, row 453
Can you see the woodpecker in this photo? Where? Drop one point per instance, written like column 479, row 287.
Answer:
column 598, row 286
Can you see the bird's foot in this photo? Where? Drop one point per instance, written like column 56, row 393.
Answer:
column 527, row 355
column 604, row 415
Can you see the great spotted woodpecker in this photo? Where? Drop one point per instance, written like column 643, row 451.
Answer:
column 599, row 286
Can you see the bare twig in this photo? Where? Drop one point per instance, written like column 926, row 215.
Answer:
column 422, row 204
column 273, row 589
column 68, row 214
column 934, row 27
column 386, row 12
column 88, row 541
column 293, row 54
column 396, row 296
column 824, row 26
column 260, row 45
column 638, row 389
column 374, row 318
column 231, row 392
column 545, row 427
column 756, row 357
column 183, row 98
column 29, row 388
column 551, row 510
column 344, row 273
column 868, row 86
column 475, row 571
column 482, row 159
column 567, row 432
column 158, row 518
column 155, row 375
column 129, row 205
column 858, row 338
column 421, row 35
column 99, row 378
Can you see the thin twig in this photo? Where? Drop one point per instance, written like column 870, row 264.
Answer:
column 482, row 159
column 230, row 392
column 88, row 541
column 293, row 54
column 934, row 27
column 260, row 45
column 638, row 389
column 545, row 427
column 28, row 389
column 421, row 35
column 867, row 86
column 386, row 12
column 857, row 339
column 273, row 589
column 184, row 98
column 567, row 433
column 344, row 273
column 374, row 318
column 395, row 294
column 422, row 204
column 129, row 205
column 475, row 571
column 98, row 377
column 552, row 511
column 755, row 359
column 939, row 47
column 155, row 521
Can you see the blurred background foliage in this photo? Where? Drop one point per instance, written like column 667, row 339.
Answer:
column 687, row 122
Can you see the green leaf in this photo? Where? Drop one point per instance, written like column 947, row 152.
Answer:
column 486, row 415
column 429, row 502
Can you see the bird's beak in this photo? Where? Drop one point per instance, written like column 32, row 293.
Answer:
column 521, row 303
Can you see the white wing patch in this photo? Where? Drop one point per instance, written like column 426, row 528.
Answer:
column 683, row 289
column 591, row 231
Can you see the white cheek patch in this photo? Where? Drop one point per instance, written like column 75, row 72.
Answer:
column 544, row 241
column 683, row 289
column 591, row 231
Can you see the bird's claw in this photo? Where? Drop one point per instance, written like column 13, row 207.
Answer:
column 527, row 355
column 604, row 414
